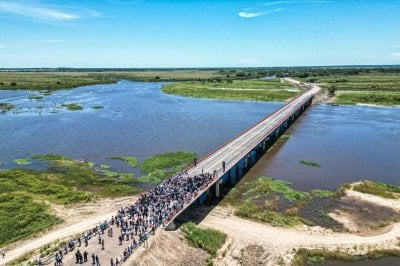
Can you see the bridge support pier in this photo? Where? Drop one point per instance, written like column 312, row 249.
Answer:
column 217, row 188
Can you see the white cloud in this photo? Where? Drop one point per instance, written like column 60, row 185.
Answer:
column 245, row 14
column 41, row 12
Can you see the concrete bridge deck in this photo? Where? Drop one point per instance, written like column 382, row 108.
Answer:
column 235, row 149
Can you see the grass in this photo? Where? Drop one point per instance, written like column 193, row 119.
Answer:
column 131, row 161
column 21, row 161
column 161, row 166
column 378, row 98
column 50, row 157
column 248, row 209
column 21, row 216
column 375, row 87
column 35, row 97
column 55, row 79
column 66, row 182
column 378, row 189
column 310, row 257
column 310, row 163
column 272, row 201
column 50, row 80
column 72, row 106
column 205, row 238
column 255, row 90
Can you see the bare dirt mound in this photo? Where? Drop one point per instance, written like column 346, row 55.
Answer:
column 253, row 255
column 168, row 248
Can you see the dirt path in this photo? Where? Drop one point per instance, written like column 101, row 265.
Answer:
column 278, row 243
column 78, row 219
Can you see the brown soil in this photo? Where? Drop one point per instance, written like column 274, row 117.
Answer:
column 168, row 248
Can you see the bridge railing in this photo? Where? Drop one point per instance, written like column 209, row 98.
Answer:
column 204, row 158
column 235, row 160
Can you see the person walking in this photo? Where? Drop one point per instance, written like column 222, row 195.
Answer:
column 97, row 261
column 94, row 259
column 85, row 253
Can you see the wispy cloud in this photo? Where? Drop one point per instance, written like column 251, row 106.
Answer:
column 50, row 41
column 249, row 14
column 245, row 14
column 40, row 11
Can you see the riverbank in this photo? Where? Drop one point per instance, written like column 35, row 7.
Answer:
column 255, row 90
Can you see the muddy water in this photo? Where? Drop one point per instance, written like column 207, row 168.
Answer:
column 350, row 142
column 386, row 261
column 136, row 120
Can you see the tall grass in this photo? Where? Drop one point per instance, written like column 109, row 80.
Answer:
column 205, row 238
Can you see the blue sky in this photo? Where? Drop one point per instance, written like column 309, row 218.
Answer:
column 149, row 33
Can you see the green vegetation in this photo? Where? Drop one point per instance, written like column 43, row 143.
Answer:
column 282, row 138
column 65, row 182
column 21, row 216
column 50, row 157
column 321, row 193
column 161, row 166
column 378, row 189
column 310, row 163
column 370, row 85
column 97, row 107
column 4, row 107
column 56, row 79
column 72, row 106
column 256, row 90
column 206, row 238
column 249, row 209
column 373, row 86
column 131, row 161
column 378, row 98
column 21, row 161
column 49, row 80
column 310, row 257
column 272, row 201
column 35, row 97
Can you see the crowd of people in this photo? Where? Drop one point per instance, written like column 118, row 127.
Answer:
column 138, row 221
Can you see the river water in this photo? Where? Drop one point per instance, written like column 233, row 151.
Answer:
column 350, row 142
column 137, row 119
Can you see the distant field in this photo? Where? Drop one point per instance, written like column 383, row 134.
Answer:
column 55, row 80
column 367, row 85
column 366, row 88
column 256, row 90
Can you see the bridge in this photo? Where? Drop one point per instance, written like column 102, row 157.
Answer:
column 229, row 162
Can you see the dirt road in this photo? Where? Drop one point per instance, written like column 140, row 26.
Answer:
column 279, row 243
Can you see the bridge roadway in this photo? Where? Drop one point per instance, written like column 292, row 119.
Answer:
column 234, row 150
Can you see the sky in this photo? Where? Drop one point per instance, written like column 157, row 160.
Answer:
column 197, row 33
